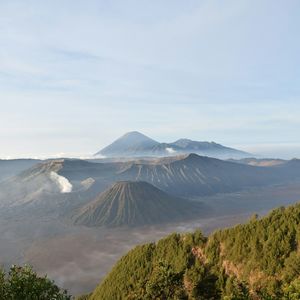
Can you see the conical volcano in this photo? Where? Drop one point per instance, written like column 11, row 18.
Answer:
column 131, row 143
column 133, row 204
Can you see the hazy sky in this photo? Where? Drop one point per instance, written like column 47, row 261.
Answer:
column 76, row 74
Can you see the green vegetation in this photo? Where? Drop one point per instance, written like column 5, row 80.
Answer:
column 22, row 283
column 258, row 260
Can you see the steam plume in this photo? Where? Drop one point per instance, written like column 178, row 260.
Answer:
column 63, row 183
column 170, row 150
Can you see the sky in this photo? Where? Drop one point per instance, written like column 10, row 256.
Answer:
column 75, row 75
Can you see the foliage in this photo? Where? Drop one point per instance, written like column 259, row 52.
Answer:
column 22, row 283
column 257, row 260
column 164, row 283
column 292, row 291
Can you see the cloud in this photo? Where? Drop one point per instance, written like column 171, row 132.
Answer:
column 98, row 156
column 170, row 150
column 63, row 183
column 273, row 150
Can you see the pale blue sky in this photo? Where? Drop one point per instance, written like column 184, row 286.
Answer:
column 74, row 74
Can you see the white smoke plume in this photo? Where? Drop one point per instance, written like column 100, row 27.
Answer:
column 170, row 150
column 63, row 183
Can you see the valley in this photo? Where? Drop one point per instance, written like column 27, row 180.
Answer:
column 77, row 257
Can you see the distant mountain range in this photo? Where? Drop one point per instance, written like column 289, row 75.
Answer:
column 135, row 144
column 133, row 203
column 61, row 186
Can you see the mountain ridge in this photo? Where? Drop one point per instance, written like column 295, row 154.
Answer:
column 136, row 144
column 185, row 176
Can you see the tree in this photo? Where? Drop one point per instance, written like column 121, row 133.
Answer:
column 292, row 291
column 3, row 287
column 164, row 283
column 235, row 290
column 22, row 283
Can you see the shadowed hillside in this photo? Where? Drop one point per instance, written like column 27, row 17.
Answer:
column 196, row 175
column 12, row 167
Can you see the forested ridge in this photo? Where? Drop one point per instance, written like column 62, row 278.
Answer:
column 257, row 260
